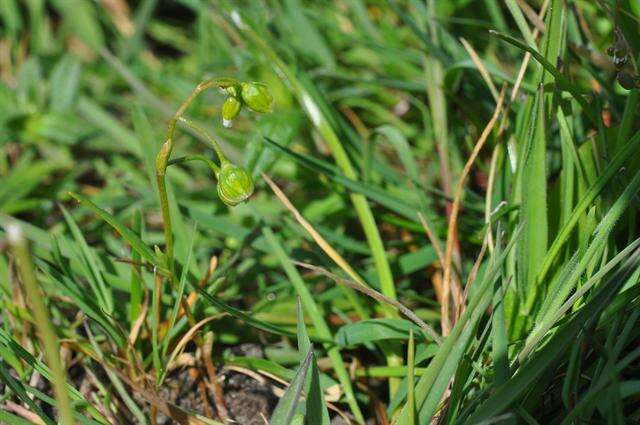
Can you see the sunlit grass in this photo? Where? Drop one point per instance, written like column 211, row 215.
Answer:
column 443, row 224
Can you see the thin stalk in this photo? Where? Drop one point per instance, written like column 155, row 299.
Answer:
column 40, row 314
column 453, row 217
column 212, row 142
column 411, row 381
column 434, row 85
column 164, row 156
column 155, row 340
column 136, row 283
column 212, row 165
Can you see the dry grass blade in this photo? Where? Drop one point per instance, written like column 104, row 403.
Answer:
column 213, row 384
column 10, row 406
column 453, row 218
column 531, row 16
column 376, row 296
column 187, row 337
column 432, row 237
column 137, row 325
column 481, row 68
column 322, row 243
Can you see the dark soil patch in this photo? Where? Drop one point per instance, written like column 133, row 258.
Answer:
column 248, row 401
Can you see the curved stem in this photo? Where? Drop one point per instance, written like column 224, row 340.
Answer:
column 207, row 84
column 163, row 157
column 212, row 142
column 212, row 165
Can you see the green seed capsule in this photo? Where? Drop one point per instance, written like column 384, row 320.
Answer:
column 235, row 184
column 257, row 97
column 230, row 109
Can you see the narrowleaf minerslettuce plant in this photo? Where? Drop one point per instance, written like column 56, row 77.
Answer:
column 234, row 183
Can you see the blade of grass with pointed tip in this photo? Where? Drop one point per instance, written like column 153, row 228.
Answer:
column 316, row 409
column 288, row 404
column 319, row 323
column 552, row 351
column 433, row 383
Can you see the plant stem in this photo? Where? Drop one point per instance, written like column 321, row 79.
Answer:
column 164, row 156
column 212, row 142
column 41, row 317
column 212, row 165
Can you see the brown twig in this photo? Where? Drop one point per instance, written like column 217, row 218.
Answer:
column 453, row 218
column 435, row 242
column 213, row 384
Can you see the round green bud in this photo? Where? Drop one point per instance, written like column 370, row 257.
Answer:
column 235, row 184
column 257, row 97
column 230, row 109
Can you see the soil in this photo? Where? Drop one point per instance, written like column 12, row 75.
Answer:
column 249, row 401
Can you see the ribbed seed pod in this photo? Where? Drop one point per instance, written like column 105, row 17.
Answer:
column 235, row 184
column 256, row 96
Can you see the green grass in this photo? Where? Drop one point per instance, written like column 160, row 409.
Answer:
column 388, row 182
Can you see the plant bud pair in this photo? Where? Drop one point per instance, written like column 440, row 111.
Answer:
column 255, row 96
